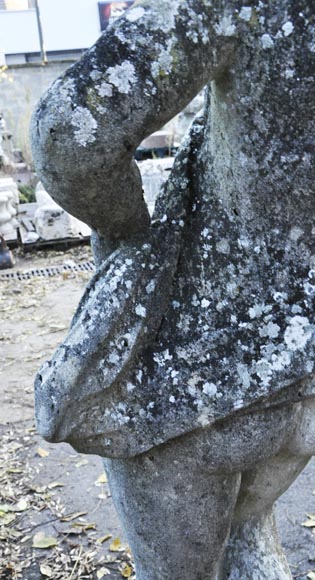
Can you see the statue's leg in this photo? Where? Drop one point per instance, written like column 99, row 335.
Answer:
column 175, row 510
column 253, row 551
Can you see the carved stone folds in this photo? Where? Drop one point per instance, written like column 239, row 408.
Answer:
column 190, row 362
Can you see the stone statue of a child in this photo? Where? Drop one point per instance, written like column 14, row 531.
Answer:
column 189, row 364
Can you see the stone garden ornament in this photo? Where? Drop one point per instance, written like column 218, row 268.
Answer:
column 189, row 364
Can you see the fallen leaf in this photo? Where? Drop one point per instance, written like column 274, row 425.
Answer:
column 311, row 576
column 104, row 539
column 82, row 462
column 14, row 470
column 115, row 546
column 310, row 523
column 101, row 479
column 21, row 506
column 7, row 519
column 46, row 571
column 73, row 516
column 42, row 452
column 54, row 484
column 102, row 572
column 84, row 526
column 57, row 328
column 41, row 541
column 126, row 571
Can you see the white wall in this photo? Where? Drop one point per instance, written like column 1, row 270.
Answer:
column 67, row 25
column 18, row 32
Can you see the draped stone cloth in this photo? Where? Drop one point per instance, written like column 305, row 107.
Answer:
column 220, row 314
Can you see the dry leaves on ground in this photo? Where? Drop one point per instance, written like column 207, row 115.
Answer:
column 39, row 539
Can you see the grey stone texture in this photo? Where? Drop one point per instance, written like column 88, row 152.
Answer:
column 189, row 364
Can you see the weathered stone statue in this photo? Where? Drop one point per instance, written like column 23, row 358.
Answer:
column 189, row 364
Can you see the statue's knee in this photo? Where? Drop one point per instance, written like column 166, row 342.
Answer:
column 302, row 441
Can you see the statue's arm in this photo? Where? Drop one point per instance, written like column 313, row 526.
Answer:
column 146, row 67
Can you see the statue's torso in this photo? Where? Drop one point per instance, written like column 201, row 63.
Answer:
column 241, row 325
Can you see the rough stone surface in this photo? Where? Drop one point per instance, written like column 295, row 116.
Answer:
column 192, row 351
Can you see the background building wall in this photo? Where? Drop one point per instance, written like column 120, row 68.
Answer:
column 66, row 24
column 20, row 89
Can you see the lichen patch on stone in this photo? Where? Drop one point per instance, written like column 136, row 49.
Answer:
column 85, row 126
column 122, row 76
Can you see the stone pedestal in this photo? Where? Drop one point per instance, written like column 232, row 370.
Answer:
column 54, row 223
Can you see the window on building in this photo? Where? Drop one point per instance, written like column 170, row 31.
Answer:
column 110, row 10
column 16, row 4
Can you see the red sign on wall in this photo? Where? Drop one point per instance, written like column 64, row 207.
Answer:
column 110, row 10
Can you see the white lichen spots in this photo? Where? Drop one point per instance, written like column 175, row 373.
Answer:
column 225, row 27
column 113, row 358
column 281, row 360
column 256, row 311
column 163, row 65
column 210, row 389
column 205, row 233
column 205, row 303
column 223, row 246
column 266, row 41
column 163, row 17
column 85, row 126
column 246, row 13
column 221, row 305
column 175, row 304
column 238, row 404
column 263, row 369
column 287, row 28
column 195, row 301
column 130, row 387
column 203, row 418
column 96, row 75
column 135, row 14
column 172, row 399
column 128, row 284
column 139, row 376
column 280, row 297
column 295, row 233
column 122, row 76
column 289, row 73
column 243, row 242
column 232, row 289
column 166, row 354
column 244, row 375
column 140, row 311
column 105, row 90
column 297, row 333
column 150, row 287
column 65, row 93
column 270, row 330
column 198, row 27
